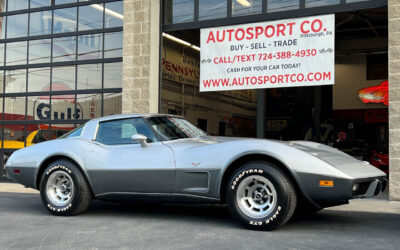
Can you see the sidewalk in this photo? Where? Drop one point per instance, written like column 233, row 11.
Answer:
column 10, row 187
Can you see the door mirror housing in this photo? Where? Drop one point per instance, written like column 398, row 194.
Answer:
column 140, row 138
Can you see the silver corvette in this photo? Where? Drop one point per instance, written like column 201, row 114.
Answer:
column 165, row 158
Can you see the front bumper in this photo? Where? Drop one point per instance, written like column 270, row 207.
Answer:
column 342, row 190
column 369, row 188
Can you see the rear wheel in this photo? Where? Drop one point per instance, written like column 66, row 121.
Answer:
column 63, row 189
column 261, row 196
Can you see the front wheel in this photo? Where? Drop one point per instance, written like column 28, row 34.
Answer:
column 261, row 196
column 63, row 189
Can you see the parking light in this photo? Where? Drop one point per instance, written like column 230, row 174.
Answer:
column 326, row 183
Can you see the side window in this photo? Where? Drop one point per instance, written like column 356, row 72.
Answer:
column 119, row 132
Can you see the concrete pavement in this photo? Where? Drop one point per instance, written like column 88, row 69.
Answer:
column 25, row 224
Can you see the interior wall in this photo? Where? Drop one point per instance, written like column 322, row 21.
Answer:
column 350, row 77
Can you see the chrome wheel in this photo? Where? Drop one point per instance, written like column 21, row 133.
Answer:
column 60, row 188
column 256, row 196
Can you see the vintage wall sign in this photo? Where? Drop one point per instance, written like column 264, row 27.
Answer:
column 62, row 108
column 375, row 94
column 285, row 53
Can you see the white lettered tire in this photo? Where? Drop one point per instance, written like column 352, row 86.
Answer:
column 260, row 196
column 63, row 189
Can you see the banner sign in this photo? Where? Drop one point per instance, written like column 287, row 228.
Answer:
column 185, row 69
column 284, row 53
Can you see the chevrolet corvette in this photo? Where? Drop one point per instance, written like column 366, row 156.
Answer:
column 167, row 159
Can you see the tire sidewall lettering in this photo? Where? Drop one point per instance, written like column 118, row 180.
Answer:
column 56, row 167
column 243, row 174
column 49, row 205
column 276, row 215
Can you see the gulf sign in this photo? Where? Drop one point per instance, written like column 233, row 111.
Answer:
column 62, row 107
column 285, row 53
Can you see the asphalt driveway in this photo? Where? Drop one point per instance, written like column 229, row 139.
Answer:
column 25, row 224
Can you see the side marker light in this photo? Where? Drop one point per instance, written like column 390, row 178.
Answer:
column 325, row 183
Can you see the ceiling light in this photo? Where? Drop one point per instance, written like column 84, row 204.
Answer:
column 244, row 3
column 175, row 39
column 108, row 11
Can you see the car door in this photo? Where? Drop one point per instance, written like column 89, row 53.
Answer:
column 119, row 165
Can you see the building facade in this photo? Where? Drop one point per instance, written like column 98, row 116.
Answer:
column 60, row 65
column 63, row 62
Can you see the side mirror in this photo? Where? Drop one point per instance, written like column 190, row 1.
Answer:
column 140, row 138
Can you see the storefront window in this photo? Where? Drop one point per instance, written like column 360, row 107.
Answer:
column 180, row 11
column 40, row 23
column 15, row 81
column 63, row 108
column 1, row 54
column 1, row 87
column 90, row 105
column 2, row 6
column 35, row 110
column 63, row 78
column 318, row 3
column 33, row 66
column 3, row 21
column 40, row 3
column 277, row 5
column 64, row 20
column 91, row 17
column 64, row 49
column 210, row 9
column 90, row 47
column 15, row 133
column 17, row 4
column 114, row 14
column 14, row 108
column 113, row 45
column 112, row 103
column 17, row 26
column 89, row 76
column 246, row 7
column 16, row 53
column 113, row 75
column 64, row 1
column 38, row 79
column 39, row 51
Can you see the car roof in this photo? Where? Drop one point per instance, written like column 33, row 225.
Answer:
column 91, row 126
column 126, row 116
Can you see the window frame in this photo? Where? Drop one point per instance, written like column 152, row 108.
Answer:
column 264, row 15
column 52, row 123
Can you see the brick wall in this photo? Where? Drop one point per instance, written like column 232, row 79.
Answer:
column 394, row 98
column 141, row 56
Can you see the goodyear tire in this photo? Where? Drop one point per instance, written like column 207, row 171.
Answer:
column 64, row 190
column 260, row 196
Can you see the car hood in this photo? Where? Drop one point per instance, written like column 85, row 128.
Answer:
column 335, row 158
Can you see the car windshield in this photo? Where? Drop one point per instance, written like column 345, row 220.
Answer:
column 172, row 128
